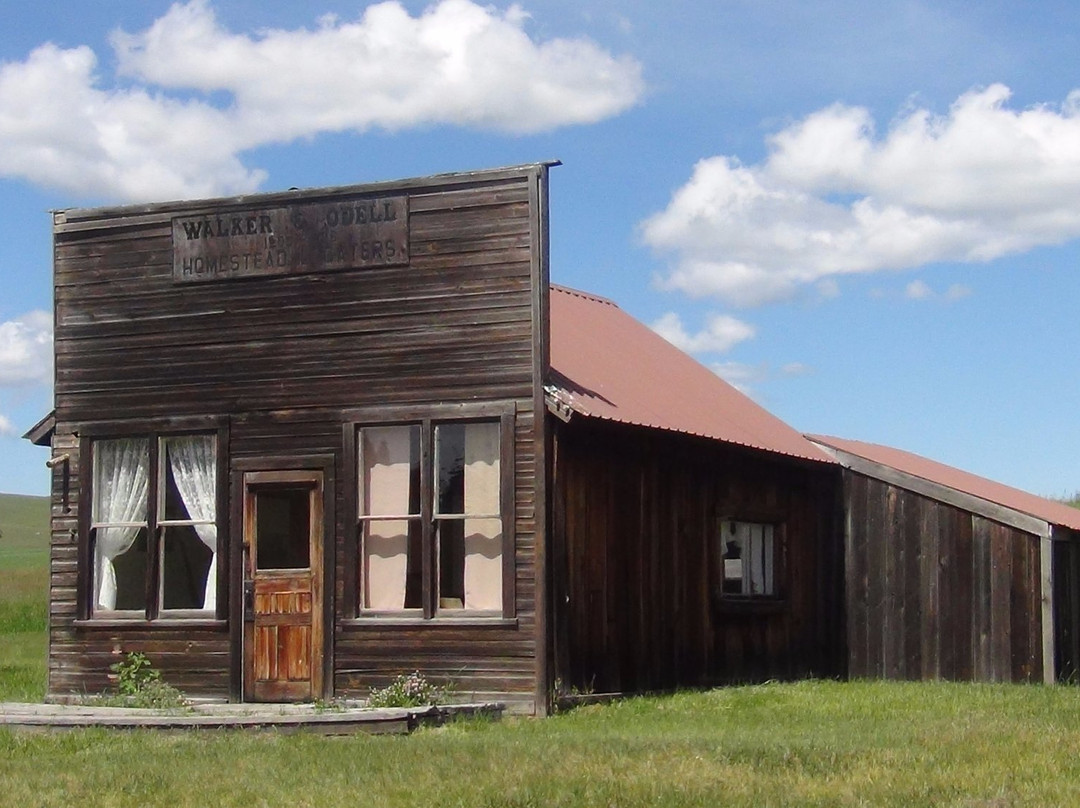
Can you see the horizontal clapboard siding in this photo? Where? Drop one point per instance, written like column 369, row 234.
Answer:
column 281, row 358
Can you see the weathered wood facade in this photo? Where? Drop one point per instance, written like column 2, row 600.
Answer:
column 943, row 582
column 636, row 517
column 277, row 328
column 306, row 442
column 938, row 592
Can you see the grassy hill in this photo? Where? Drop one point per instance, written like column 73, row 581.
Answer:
column 24, row 595
column 24, row 531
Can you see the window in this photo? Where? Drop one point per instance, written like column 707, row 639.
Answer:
column 746, row 559
column 153, row 525
column 432, row 521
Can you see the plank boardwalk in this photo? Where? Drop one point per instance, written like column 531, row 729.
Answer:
column 344, row 720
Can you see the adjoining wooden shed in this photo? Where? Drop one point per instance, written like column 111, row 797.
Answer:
column 953, row 576
column 694, row 536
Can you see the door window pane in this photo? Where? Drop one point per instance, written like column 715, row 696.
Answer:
column 283, row 528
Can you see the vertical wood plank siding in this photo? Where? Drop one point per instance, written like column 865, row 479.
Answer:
column 635, row 514
column 1066, row 587
column 936, row 592
column 281, row 358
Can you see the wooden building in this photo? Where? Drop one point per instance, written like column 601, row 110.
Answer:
column 298, row 440
column 953, row 576
column 305, row 442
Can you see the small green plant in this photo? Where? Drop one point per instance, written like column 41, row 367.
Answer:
column 134, row 673
column 407, row 690
column 139, row 684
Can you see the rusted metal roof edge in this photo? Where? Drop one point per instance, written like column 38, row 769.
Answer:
column 563, row 406
column 1031, row 520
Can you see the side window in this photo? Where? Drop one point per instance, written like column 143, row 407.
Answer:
column 153, row 525
column 745, row 559
column 431, row 522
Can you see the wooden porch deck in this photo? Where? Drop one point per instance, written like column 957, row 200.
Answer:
column 346, row 719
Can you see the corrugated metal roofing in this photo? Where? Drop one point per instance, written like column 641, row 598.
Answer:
column 1055, row 513
column 608, row 365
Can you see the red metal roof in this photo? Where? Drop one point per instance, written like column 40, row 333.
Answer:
column 1056, row 513
column 608, row 365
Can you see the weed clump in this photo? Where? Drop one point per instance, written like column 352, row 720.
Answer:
column 139, row 684
column 407, row 690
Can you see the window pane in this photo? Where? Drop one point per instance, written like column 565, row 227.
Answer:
column 747, row 558
column 450, row 468
column 185, row 566
column 283, row 528
column 121, row 477
column 189, row 477
column 392, row 575
column 390, row 471
column 120, row 576
column 470, row 563
column 468, row 468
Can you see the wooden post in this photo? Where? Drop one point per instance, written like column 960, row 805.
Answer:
column 1046, row 564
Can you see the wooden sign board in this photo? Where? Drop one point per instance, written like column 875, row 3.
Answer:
column 298, row 238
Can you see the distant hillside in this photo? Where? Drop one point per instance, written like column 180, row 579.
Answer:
column 24, row 527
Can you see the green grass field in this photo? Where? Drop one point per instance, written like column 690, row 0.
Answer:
column 810, row 743
column 24, row 596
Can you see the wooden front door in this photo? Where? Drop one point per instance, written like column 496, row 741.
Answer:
column 283, row 592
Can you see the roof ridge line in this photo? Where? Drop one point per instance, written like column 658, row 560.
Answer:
column 584, row 295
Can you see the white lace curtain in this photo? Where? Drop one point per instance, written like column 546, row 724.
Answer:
column 193, row 464
column 121, row 477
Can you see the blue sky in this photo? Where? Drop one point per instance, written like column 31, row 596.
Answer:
column 866, row 215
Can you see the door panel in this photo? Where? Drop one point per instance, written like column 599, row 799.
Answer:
column 283, row 586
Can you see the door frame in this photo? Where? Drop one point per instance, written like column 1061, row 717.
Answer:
column 322, row 678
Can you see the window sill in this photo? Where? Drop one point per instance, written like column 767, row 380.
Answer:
column 143, row 623
column 399, row 621
column 750, row 605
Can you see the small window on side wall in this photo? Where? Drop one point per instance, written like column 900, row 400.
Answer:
column 745, row 559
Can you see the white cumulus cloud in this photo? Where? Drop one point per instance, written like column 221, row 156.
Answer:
column 7, row 429
column 833, row 197
column 721, row 333
column 26, row 349
column 164, row 132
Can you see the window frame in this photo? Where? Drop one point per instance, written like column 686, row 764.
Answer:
column 427, row 419
column 155, row 432
column 735, row 601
